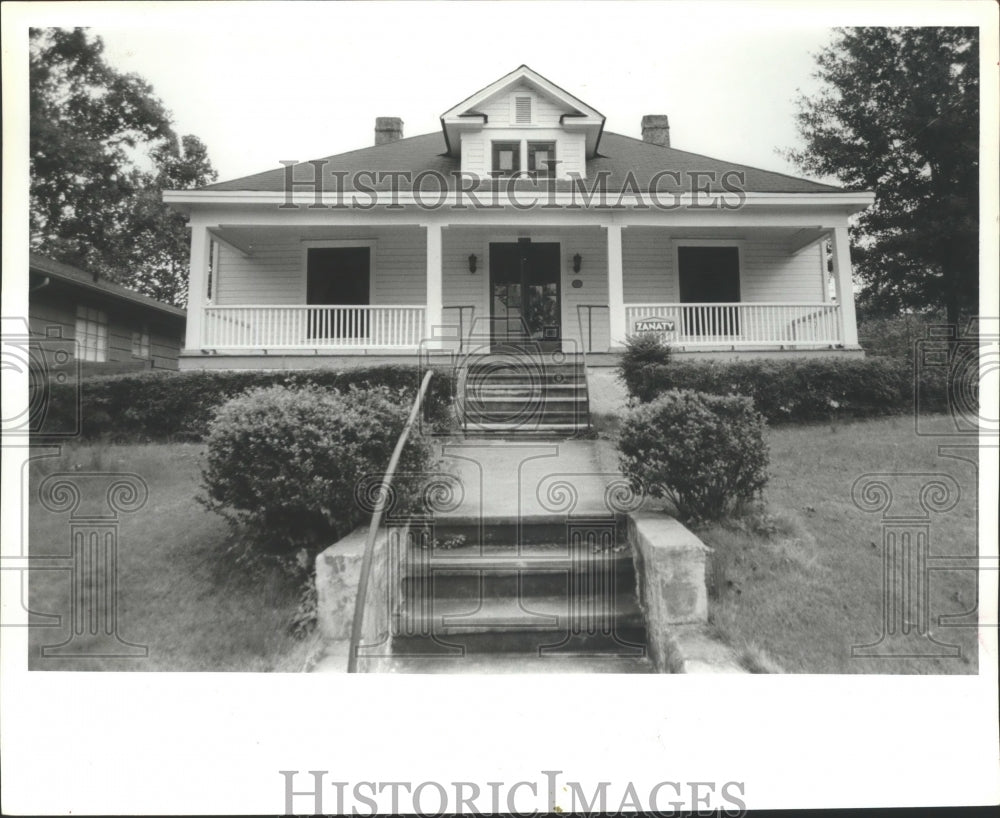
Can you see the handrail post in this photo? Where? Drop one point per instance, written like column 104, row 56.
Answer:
column 383, row 495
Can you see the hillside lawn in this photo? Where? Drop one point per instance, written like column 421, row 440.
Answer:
column 792, row 595
column 794, row 592
column 178, row 591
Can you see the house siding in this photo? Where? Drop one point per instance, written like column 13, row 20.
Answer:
column 53, row 311
column 545, row 112
column 769, row 273
column 464, row 288
column 275, row 273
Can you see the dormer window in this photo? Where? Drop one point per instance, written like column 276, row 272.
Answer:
column 541, row 159
column 506, row 158
column 522, row 110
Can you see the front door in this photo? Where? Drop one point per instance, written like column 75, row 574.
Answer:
column 524, row 293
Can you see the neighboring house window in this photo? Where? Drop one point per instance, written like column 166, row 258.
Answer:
column 540, row 155
column 140, row 343
column 506, row 158
column 338, row 276
column 522, row 110
column 91, row 334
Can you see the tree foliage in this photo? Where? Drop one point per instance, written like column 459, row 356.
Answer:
column 898, row 114
column 103, row 149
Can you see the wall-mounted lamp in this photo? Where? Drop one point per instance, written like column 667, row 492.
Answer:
column 472, row 262
column 577, row 263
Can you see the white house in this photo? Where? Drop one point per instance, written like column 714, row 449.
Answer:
column 521, row 218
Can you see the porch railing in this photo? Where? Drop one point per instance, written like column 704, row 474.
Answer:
column 741, row 324
column 309, row 327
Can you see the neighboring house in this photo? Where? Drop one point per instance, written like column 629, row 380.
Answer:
column 521, row 218
column 115, row 329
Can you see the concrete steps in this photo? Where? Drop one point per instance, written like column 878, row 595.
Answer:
column 524, row 394
column 519, row 601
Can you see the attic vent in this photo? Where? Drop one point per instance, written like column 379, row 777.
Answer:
column 522, row 110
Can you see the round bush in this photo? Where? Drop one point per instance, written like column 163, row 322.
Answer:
column 641, row 351
column 705, row 453
column 283, row 464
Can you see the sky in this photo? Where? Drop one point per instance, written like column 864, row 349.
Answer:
column 301, row 81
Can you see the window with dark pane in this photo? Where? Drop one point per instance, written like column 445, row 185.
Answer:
column 541, row 159
column 338, row 276
column 506, row 158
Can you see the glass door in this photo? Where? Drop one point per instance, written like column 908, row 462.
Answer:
column 524, row 292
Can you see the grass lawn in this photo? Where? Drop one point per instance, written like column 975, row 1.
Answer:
column 797, row 595
column 176, row 594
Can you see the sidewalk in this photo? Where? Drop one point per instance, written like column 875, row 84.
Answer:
column 504, row 479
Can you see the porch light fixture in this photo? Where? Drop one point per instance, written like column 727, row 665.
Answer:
column 472, row 262
column 577, row 263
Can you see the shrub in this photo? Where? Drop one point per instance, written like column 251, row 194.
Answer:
column 641, row 351
column 163, row 406
column 282, row 465
column 805, row 389
column 895, row 336
column 705, row 453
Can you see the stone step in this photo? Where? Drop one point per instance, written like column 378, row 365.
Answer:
column 556, row 428
column 517, row 575
column 506, row 556
column 515, row 663
column 527, row 393
column 507, row 413
column 516, row 381
column 514, row 535
column 532, row 625
column 527, row 403
column 513, row 422
column 551, row 614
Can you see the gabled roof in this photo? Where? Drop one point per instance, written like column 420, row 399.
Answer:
column 620, row 156
column 43, row 265
column 464, row 114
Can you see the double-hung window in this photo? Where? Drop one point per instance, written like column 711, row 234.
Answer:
column 140, row 343
column 91, row 334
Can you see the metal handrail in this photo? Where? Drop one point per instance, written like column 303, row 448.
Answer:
column 590, row 324
column 461, row 314
column 380, row 503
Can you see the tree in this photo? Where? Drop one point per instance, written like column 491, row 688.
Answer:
column 102, row 150
column 899, row 115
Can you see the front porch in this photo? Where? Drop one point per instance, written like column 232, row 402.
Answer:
column 395, row 328
column 257, row 294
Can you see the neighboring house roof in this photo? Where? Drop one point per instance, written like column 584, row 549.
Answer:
column 619, row 157
column 45, row 266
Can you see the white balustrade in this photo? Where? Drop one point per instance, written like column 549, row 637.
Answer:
column 742, row 324
column 313, row 327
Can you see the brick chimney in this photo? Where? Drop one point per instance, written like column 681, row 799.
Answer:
column 656, row 130
column 388, row 129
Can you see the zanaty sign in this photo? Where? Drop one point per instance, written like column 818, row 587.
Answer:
column 654, row 324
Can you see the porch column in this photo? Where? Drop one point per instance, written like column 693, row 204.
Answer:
column 197, row 282
column 844, row 284
column 434, row 285
column 616, row 288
